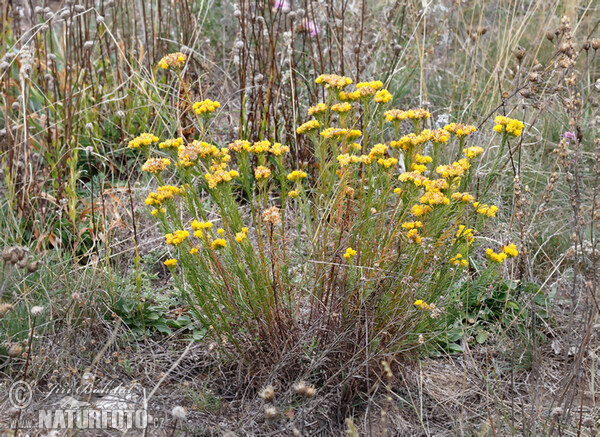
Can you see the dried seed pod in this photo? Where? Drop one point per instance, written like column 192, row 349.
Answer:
column 7, row 254
column 268, row 394
column 596, row 43
column 32, row 266
column 550, row 35
column 270, row 412
column 23, row 262
column 519, row 52
column 5, row 308
column 15, row 350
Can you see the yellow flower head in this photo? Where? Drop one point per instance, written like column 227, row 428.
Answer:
column 465, row 234
column 350, row 253
column 510, row 250
column 319, row 108
column 412, row 225
column 473, row 152
column 262, row 172
column 144, row 140
column 296, row 175
column 171, row 144
column 382, row 96
column 458, row 261
column 333, row 81
column 495, row 257
column 278, row 150
column 511, row 126
column 461, row 130
column 422, row 304
column 177, row 237
column 206, row 107
column 171, row 263
column 463, row 197
column 172, row 60
column 239, row 145
column 261, row 147
column 341, row 108
column 309, row 126
column 219, row 243
column 412, row 114
column 156, row 165
column 487, row 210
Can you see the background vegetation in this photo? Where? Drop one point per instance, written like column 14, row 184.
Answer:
column 79, row 80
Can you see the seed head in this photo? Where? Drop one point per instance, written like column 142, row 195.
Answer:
column 268, row 394
column 15, row 350
column 178, row 413
column 37, row 310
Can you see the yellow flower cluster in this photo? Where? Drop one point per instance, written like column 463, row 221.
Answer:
column 188, row 155
column 241, row 236
column 382, row 96
column 260, row 147
column 163, row 193
column 420, row 210
column 473, row 152
column 464, row 233
column 422, row 304
column 144, row 140
column 490, row 211
column 172, row 60
column 412, row 225
column 463, row 197
column 219, row 243
column 205, row 107
column 219, row 176
column 495, row 257
column 296, row 175
column 319, row 108
column 435, row 184
column 414, row 236
column 199, row 227
column 308, row 127
column 278, row 150
column 171, row 263
column 510, row 125
column 434, row 198
column 333, row 81
column 239, row 145
column 350, row 253
column 458, row 260
column 262, row 172
column 461, row 130
column 156, row 165
column 177, row 237
column 411, row 114
column 423, row 159
column 414, row 177
column 341, row 108
column 456, row 169
column 374, row 84
column 437, row 136
column 337, row 133
column 171, row 144
column 388, row 162
column 510, row 250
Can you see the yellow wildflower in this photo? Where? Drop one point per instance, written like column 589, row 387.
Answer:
column 262, row 172
column 171, row 263
column 509, row 125
column 510, row 250
column 218, row 243
column 333, row 81
column 341, row 107
column 308, row 127
column 382, row 96
column 177, row 237
column 463, row 197
column 156, row 165
column 296, row 175
column 461, row 130
column 473, row 152
column 277, row 149
column 422, row 304
column 458, row 261
column 144, row 140
column 350, row 253
column 171, row 144
column 206, row 107
column 319, row 108
column 172, row 60
column 495, row 257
